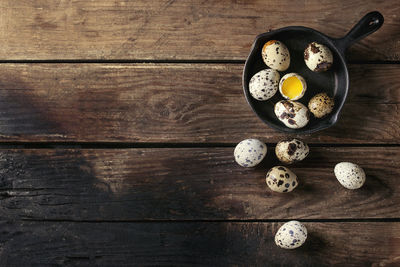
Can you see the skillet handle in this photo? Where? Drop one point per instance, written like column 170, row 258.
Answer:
column 367, row 25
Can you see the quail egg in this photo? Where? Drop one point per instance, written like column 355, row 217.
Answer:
column 291, row 235
column 264, row 84
column 349, row 175
column 318, row 57
column 281, row 179
column 250, row 152
column 293, row 114
column 321, row 105
column 291, row 151
column 292, row 86
column 276, row 55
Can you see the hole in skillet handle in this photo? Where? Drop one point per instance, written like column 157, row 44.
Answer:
column 373, row 22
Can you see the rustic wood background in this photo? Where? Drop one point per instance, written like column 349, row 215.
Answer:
column 118, row 121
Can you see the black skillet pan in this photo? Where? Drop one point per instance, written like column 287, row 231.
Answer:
column 335, row 81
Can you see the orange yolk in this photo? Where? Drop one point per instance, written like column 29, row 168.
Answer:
column 292, row 87
column 270, row 42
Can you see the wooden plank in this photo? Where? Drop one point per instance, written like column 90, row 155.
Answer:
column 190, row 184
column 173, row 103
column 164, row 29
column 199, row 244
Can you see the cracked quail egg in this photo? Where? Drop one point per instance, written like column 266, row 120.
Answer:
column 318, row 57
column 292, row 86
column 264, row 84
column 291, row 235
column 321, row 105
column 281, row 179
column 276, row 55
column 291, row 151
column 349, row 175
column 250, row 152
column 293, row 114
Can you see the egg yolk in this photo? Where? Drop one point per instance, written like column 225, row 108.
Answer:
column 270, row 42
column 292, row 87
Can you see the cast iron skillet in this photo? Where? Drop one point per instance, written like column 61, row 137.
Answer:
column 335, row 82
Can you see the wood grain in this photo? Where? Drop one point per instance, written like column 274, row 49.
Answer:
column 178, row 103
column 195, row 244
column 175, row 30
column 190, row 184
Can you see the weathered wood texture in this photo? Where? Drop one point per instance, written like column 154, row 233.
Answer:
column 173, row 103
column 168, row 29
column 190, row 184
column 119, row 207
column 188, row 244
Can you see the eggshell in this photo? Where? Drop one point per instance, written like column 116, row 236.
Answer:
column 321, row 105
column 250, row 152
column 276, row 55
column 281, row 179
column 293, row 114
column 318, row 57
column 349, row 175
column 264, row 84
column 303, row 82
column 291, row 235
column 291, row 151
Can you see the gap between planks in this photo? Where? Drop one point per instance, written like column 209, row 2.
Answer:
column 166, row 61
column 352, row 220
column 124, row 145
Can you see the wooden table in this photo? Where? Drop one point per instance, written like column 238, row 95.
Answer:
column 118, row 121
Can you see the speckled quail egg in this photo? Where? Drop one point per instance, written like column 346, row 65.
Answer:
column 349, row 175
column 293, row 114
column 292, row 86
column 276, row 55
column 281, row 179
column 318, row 57
column 291, row 151
column 321, row 105
column 291, row 235
column 264, row 84
column 250, row 152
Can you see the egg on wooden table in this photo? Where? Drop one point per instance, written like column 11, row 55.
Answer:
column 293, row 114
column 350, row 175
column 264, row 84
column 292, row 86
column 291, row 151
column 318, row 57
column 282, row 180
column 291, row 235
column 276, row 55
column 250, row 152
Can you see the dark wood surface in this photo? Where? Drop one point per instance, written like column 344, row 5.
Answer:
column 196, row 243
column 118, row 121
column 174, row 103
column 190, row 184
column 179, row 30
